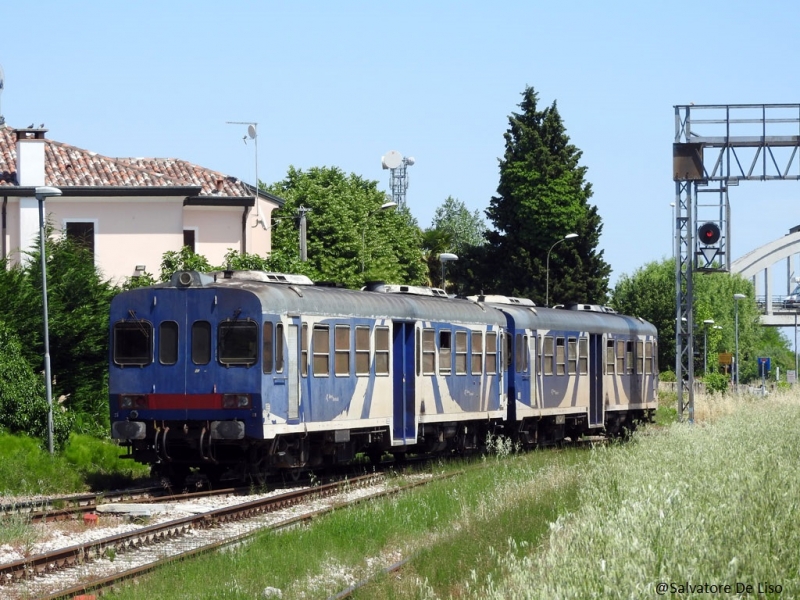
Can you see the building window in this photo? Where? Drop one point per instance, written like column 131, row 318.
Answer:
column 188, row 238
column 82, row 235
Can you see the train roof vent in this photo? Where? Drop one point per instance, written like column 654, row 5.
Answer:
column 500, row 299
column 590, row 308
column 417, row 290
column 265, row 277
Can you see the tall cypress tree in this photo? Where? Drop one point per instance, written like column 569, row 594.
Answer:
column 543, row 196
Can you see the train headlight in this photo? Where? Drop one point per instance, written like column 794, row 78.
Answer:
column 236, row 401
column 129, row 401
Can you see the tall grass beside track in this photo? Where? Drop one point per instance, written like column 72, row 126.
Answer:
column 711, row 503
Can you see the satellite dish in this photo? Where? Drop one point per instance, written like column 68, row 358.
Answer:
column 251, row 131
column 410, row 161
column 392, row 160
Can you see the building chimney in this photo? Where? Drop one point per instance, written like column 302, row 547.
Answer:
column 30, row 156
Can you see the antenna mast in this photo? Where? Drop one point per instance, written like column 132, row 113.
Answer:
column 397, row 164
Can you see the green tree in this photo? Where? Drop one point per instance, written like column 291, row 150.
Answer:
column 183, row 260
column 345, row 228
column 455, row 230
column 542, row 196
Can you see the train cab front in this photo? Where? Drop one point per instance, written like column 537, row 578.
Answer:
column 184, row 376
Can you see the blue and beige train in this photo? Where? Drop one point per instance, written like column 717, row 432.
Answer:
column 262, row 372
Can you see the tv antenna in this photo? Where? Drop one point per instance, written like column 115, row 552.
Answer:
column 398, row 165
column 252, row 133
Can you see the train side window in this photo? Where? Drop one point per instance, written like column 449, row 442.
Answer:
column 537, row 355
column 418, row 349
column 279, row 348
column 381, row 351
column 491, row 353
column 549, row 355
column 629, row 357
column 321, row 348
column 519, row 352
column 461, row 352
column 266, row 347
column 560, row 356
column 648, row 357
column 620, row 357
column 362, row 350
column 655, row 358
column 237, row 343
column 304, row 350
column 168, row 343
column 583, row 356
column 477, row 352
column 428, row 352
column 640, row 357
column 445, row 352
column 610, row 357
column 525, row 355
column 133, row 343
column 341, row 357
column 572, row 356
column 201, row 342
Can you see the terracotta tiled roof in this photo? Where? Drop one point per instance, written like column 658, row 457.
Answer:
column 67, row 165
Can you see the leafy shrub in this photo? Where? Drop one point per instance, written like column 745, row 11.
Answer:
column 716, row 382
column 27, row 468
column 667, row 376
column 92, row 456
column 23, row 402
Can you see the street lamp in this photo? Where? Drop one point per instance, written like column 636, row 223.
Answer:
column 43, row 193
column 384, row 206
column 569, row 236
column 736, row 298
column 443, row 258
column 707, row 322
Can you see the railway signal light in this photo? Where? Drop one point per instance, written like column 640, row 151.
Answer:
column 708, row 233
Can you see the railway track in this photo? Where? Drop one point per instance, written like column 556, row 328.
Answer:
column 69, row 571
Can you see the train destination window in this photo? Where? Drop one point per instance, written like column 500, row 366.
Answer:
column 304, row 350
column 572, row 356
column 321, row 347
column 620, row 357
column 639, row 357
column 279, row 348
column 610, row 360
column 362, row 350
column 461, row 352
column 381, row 351
column 341, row 357
column 477, row 352
column 428, row 352
column 133, row 343
column 560, row 356
column 491, row 353
column 201, row 342
column 266, row 352
column 445, row 352
column 237, row 343
column 168, row 343
column 549, row 355
column 583, row 356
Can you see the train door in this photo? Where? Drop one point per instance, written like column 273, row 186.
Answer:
column 596, row 358
column 293, row 371
column 522, row 367
column 404, row 389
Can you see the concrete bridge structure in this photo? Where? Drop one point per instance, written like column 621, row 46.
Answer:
column 773, row 270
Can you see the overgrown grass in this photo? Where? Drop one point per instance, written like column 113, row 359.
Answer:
column 86, row 463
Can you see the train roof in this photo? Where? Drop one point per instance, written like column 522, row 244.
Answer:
column 289, row 295
column 575, row 320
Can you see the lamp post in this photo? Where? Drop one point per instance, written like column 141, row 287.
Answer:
column 569, row 236
column 707, row 322
column 443, row 258
column 384, row 206
column 736, row 298
column 43, row 193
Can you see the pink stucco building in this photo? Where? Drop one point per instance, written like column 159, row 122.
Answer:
column 128, row 211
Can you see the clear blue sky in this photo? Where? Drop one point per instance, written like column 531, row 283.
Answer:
column 341, row 83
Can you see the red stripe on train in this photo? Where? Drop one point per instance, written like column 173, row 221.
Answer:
column 184, row 401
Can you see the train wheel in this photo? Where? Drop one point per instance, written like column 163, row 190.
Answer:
column 177, row 474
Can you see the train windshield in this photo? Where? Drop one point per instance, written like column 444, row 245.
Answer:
column 133, row 343
column 238, row 343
